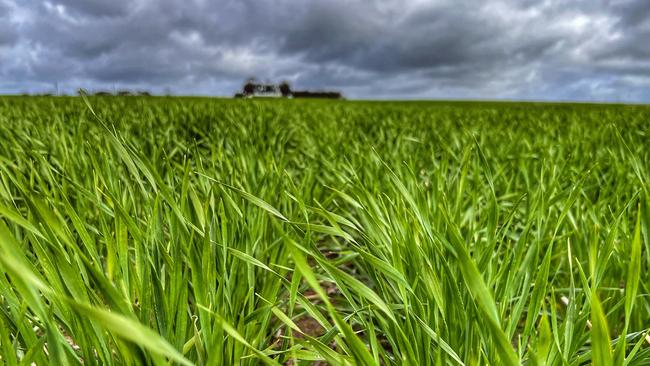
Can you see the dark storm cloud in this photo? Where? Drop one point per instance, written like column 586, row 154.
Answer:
column 591, row 50
column 8, row 35
column 633, row 30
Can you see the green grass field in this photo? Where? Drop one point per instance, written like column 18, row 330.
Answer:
column 237, row 232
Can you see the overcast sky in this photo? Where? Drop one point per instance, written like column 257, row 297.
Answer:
column 553, row 50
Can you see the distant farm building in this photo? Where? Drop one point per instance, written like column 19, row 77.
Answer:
column 253, row 89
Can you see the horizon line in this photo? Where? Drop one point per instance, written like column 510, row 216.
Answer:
column 473, row 100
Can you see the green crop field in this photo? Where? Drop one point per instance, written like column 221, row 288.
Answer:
column 283, row 232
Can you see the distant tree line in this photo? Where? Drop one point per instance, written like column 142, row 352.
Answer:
column 119, row 93
column 252, row 88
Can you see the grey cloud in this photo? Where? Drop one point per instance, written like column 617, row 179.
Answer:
column 97, row 8
column 8, row 36
column 588, row 50
column 632, row 13
column 8, row 33
column 633, row 33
